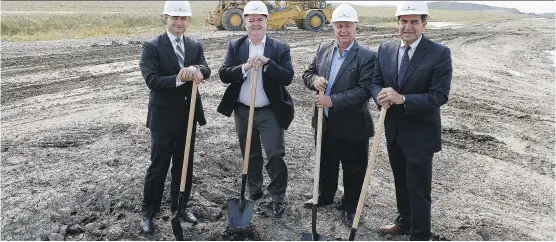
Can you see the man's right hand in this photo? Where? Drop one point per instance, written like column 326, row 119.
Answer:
column 320, row 83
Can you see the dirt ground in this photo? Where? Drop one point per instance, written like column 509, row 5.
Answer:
column 75, row 148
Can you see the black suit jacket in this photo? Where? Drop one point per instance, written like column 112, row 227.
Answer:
column 277, row 73
column 349, row 117
column 159, row 66
column 416, row 124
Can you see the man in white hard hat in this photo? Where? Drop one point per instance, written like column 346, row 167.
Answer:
column 273, row 105
column 342, row 71
column 412, row 79
column 170, row 63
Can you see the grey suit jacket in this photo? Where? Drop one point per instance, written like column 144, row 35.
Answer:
column 415, row 125
column 349, row 118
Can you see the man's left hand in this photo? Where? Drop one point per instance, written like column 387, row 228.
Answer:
column 323, row 101
column 389, row 94
column 198, row 78
column 257, row 60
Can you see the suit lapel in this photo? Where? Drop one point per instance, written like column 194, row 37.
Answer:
column 349, row 58
column 394, row 59
column 268, row 48
column 328, row 60
column 170, row 51
column 186, row 48
column 420, row 52
column 244, row 51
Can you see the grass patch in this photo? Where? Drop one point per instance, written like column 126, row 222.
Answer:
column 384, row 16
column 48, row 20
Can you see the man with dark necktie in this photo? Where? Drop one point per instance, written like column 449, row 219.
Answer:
column 169, row 64
column 412, row 80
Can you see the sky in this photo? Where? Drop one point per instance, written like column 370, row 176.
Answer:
column 523, row 6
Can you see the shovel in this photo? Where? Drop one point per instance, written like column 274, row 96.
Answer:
column 314, row 235
column 176, row 225
column 240, row 211
column 368, row 174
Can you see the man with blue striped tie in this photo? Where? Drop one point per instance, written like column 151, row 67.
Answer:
column 170, row 63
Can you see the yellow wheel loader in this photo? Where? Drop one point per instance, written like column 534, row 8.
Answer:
column 310, row 15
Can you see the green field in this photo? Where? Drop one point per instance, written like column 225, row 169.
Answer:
column 48, row 20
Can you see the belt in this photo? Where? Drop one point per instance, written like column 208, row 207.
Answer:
column 256, row 108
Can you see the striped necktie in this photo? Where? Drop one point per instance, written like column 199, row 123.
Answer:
column 403, row 65
column 180, row 53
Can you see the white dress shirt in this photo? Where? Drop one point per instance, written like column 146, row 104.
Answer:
column 409, row 53
column 245, row 94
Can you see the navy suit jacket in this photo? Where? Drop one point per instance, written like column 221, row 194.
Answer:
column 277, row 74
column 159, row 67
column 416, row 124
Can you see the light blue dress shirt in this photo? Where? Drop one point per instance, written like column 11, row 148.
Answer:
column 337, row 61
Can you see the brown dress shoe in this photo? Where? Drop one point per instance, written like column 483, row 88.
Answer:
column 393, row 229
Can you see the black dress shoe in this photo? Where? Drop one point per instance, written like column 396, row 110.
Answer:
column 278, row 209
column 188, row 216
column 147, row 226
column 309, row 203
column 347, row 218
column 256, row 196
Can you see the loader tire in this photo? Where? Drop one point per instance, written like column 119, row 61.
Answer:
column 232, row 19
column 314, row 21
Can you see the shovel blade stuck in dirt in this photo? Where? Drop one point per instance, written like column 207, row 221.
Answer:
column 176, row 224
column 176, row 227
column 240, row 212
column 313, row 237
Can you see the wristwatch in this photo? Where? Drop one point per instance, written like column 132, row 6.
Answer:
column 403, row 98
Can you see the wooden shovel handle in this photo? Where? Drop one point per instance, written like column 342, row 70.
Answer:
column 317, row 155
column 369, row 172
column 250, row 122
column 188, row 137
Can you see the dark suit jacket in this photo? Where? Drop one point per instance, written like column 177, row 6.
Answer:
column 349, row 118
column 159, row 66
column 416, row 124
column 277, row 73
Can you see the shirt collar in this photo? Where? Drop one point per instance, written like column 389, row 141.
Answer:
column 171, row 36
column 263, row 41
column 347, row 49
column 413, row 46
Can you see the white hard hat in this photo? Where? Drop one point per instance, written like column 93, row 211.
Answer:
column 344, row 12
column 411, row 8
column 177, row 8
column 255, row 7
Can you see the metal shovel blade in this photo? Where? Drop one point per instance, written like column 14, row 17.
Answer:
column 176, row 226
column 309, row 237
column 240, row 212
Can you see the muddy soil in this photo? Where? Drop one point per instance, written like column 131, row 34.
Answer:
column 75, row 148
